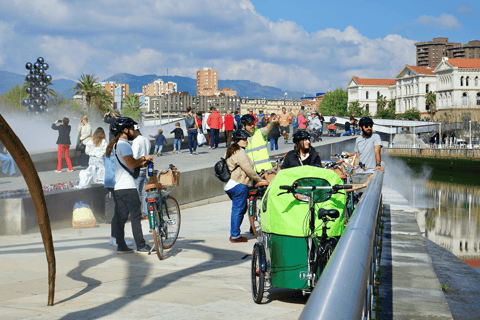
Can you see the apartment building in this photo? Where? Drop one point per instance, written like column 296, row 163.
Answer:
column 430, row 53
column 207, row 82
column 269, row 106
column 159, row 87
column 110, row 86
column 177, row 103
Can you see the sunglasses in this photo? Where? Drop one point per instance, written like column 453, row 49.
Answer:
column 368, row 125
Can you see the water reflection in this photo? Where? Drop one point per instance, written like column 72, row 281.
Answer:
column 451, row 219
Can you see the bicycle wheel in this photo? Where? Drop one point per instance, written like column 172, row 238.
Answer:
column 256, row 219
column 258, row 276
column 327, row 253
column 172, row 221
column 157, row 234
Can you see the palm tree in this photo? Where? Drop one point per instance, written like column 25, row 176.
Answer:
column 88, row 87
column 132, row 101
column 431, row 99
column 381, row 102
column 103, row 99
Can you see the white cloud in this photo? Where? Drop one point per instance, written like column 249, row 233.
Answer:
column 464, row 9
column 444, row 22
column 108, row 37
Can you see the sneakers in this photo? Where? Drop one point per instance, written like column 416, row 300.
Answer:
column 144, row 250
column 195, row 152
column 124, row 250
column 113, row 242
column 238, row 240
column 70, row 170
column 58, row 171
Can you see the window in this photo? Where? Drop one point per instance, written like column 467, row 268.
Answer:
column 464, row 98
column 466, row 81
column 426, row 88
column 378, row 94
column 367, row 107
column 476, row 81
column 461, row 81
column 478, row 99
column 366, row 95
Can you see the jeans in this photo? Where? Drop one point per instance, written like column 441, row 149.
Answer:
column 348, row 132
column 239, row 197
column 8, row 164
column 158, row 148
column 214, row 136
column 61, row 150
column 127, row 202
column 192, row 140
column 273, row 141
column 140, row 182
column 177, row 144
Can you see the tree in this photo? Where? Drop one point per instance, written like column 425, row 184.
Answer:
column 133, row 101
column 388, row 113
column 335, row 102
column 13, row 98
column 356, row 109
column 381, row 102
column 103, row 99
column 88, row 87
column 431, row 100
column 412, row 114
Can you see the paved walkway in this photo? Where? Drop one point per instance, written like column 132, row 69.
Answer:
column 204, row 276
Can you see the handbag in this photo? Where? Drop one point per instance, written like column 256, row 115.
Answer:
column 80, row 147
column 201, row 139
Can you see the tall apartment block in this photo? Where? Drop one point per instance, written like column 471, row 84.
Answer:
column 207, row 82
column 430, row 53
column 110, row 86
column 158, row 88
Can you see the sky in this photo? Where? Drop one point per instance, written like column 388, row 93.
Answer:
column 310, row 46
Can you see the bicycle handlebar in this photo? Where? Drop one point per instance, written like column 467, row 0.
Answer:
column 334, row 187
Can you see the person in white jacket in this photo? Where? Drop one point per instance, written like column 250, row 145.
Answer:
column 84, row 136
column 141, row 147
column 95, row 149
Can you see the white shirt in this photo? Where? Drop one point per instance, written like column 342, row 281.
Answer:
column 204, row 121
column 97, row 152
column 140, row 147
column 123, row 180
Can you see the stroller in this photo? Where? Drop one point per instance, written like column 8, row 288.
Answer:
column 332, row 131
column 316, row 134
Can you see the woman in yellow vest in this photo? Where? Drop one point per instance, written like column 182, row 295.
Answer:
column 257, row 143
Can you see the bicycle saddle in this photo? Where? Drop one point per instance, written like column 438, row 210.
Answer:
column 262, row 183
column 332, row 213
column 153, row 186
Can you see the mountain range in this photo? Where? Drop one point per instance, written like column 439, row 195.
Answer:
column 244, row 88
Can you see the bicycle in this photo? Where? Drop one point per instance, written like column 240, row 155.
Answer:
column 163, row 210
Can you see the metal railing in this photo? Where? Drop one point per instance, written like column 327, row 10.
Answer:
column 345, row 289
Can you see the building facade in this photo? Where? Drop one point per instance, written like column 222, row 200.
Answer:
column 207, row 82
column 158, row 87
column 430, row 53
column 268, row 106
column 366, row 91
column 110, row 86
column 412, row 85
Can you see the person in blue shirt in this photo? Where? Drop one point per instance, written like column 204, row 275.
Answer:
column 348, row 130
column 238, row 124
column 160, row 140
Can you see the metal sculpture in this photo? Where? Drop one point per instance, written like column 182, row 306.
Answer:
column 38, row 86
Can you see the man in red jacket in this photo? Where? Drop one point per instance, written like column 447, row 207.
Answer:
column 228, row 123
column 215, row 123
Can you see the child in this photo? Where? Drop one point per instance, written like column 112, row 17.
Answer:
column 178, row 139
column 160, row 140
column 274, row 134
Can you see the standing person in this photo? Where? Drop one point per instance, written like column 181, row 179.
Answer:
column 257, row 146
column 192, row 130
column 63, row 143
column 215, row 123
column 260, row 119
column 253, row 115
column 274, row 134
column 322, row 120
column 199, row 121
column 315, row 126
column 207, row 128
column 178, row 138
column 367, row 149
column 284, row 121
column 303, row 154
column 241, row 174
column 238, row 125
column 141, row 148
column 160, row 140
column 95, row 149
column 333, row 120
column 126, row 196
column 228, row 127
column 84, row 136
column 302, row 121
column 8, row 164
column 110, row 117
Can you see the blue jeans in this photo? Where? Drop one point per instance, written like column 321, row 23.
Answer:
column 273, row 141
column 192, row 140
column 177, row 144
column 239, row 197
column 141, row 181
column 8, row 164
column 214, row 137
column 159, row 148
column 348, row 132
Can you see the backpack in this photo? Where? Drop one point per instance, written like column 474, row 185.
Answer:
column 295, row 122
column 221, row 170
column 189, row 122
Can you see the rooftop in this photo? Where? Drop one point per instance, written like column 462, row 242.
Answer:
column 374, row 82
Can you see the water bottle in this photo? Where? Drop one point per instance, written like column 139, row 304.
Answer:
column 150, row 168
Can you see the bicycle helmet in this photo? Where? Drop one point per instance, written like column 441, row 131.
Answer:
column 365, row 120
column 301, row 135
column 247, row 119
column 239, row 135
column 122, row 123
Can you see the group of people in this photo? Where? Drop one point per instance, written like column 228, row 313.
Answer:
column 248, row 155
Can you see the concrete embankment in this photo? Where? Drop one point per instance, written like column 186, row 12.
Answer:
column 444, row 153
column 409, row 287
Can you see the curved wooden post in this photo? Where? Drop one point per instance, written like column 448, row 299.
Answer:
column 22, row 158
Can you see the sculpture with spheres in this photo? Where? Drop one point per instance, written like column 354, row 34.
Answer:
column 38, row 86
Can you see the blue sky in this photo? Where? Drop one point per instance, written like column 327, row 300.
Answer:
column 310, row 46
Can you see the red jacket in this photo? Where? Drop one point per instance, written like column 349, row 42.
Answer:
column 214, row 120
column 228, row 122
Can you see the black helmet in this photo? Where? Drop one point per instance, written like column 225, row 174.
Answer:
column 120, row 124
column 365, row 120
column 301, row 135
column 239, row 135
column 247, row 119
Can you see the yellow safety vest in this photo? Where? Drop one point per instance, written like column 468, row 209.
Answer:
column 258, row 152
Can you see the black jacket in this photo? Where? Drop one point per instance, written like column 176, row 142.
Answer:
column 293, row 160
column 63, row 134
column 109, row 119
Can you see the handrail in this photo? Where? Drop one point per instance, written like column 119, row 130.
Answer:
column 344, row 291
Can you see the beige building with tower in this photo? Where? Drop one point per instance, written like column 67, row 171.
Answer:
column 158, row 87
